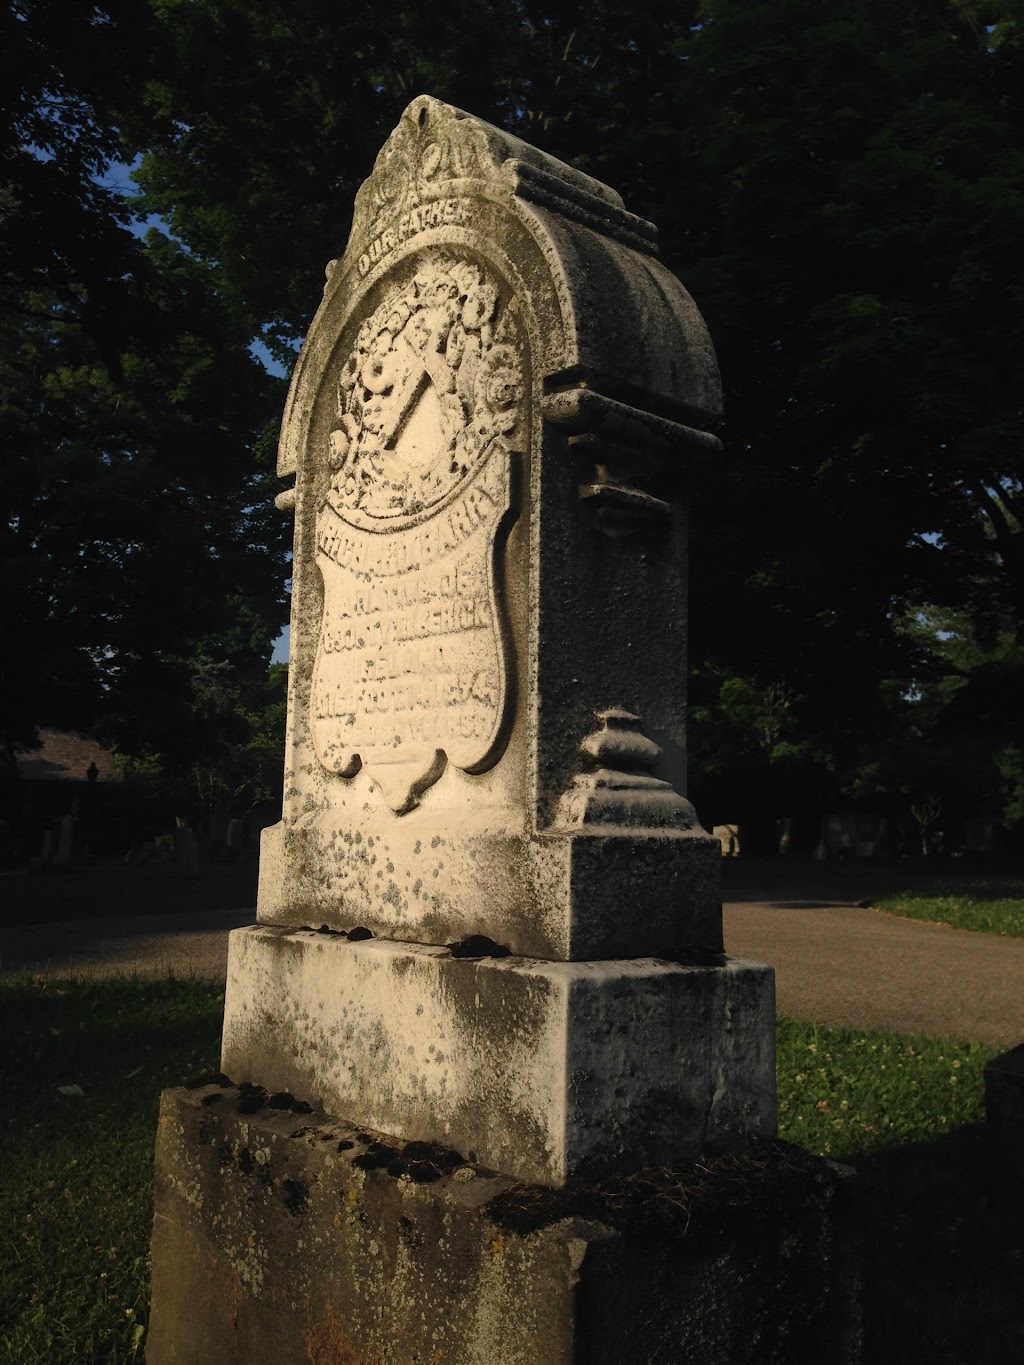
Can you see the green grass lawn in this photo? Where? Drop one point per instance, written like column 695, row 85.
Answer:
column 941, row 1235
column 940, row 1225
column 990, row 907
column 76, row 1170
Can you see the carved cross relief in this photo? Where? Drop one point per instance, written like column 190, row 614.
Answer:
column 411, row 670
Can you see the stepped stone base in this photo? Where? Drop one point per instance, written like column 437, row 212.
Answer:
column 553, row 1072
column 294, row 1238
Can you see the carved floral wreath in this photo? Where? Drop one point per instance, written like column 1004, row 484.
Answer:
column 444, row 335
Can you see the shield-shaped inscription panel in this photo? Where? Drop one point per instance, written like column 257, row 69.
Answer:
column 410, row 668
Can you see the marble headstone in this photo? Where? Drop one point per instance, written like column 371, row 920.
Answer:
column 489, row 916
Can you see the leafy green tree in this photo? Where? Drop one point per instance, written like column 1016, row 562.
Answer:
column 231, row 764
column 853, row 241
column 841, row 187
column 138, row 532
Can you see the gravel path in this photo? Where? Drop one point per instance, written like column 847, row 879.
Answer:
column 185, row 943
column 835, row 962
column 847, row 965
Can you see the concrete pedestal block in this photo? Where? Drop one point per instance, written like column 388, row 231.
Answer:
column 554, row 1072
column 297, row 1240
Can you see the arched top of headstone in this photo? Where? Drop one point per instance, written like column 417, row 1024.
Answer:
column 436, row 144
column 602, row 312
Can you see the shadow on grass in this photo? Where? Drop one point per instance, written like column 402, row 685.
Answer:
column 28, row 898
column 99, row 1034
column 940, row 1228
column 76, row 1195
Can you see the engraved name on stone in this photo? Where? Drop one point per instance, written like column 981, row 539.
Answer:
column 411, row 668
column 420, row 218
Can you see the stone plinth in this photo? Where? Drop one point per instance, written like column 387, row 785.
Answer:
column 297, row 1239
column 552, row 1072
column 572, row 895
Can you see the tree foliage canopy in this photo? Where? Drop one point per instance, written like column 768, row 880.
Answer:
column 842, row 189
column 137, row 536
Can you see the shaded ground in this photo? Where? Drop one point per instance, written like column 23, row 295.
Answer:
column 99, row 921
column 938, row 1224
column 28, row 898
column 185, row 943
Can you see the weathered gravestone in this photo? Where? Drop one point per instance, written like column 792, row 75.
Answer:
column 489, row 946
column 65, row 840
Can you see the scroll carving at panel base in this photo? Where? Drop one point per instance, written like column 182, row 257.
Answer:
column 411, row 668
column 619, row 791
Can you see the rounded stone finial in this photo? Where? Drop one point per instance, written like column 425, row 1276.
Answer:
column 620, row 743
column 622, row 790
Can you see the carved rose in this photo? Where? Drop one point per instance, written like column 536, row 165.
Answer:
column 499, row 389
column 339, row 444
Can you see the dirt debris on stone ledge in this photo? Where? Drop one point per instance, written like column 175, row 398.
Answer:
column 763, row 1181
column 695, row 955
column 421, row 1162
column 478, row 945
column 252, row 1098
column 760, row 1181
column 208, row 1078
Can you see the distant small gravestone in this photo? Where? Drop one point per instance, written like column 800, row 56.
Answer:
column 729, row 837
column 65, row 840
column 218, row 825
column 186, row 850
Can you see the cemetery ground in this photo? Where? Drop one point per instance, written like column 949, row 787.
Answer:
column 940, row 1228
column 941, row 1235
column 152, row 919
column 114, row 888
column 839, row 960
